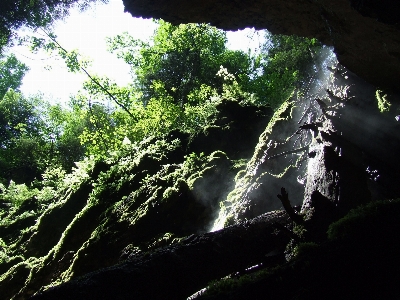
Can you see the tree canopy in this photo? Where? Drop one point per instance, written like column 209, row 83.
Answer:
column 35, row 135
column 284, row 64
column 12, row 72
column 178, row 78
column 34, row 14
column 180, row 59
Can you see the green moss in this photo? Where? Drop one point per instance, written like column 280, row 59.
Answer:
column 14, row 279
column 305, row 249
column 239, row 164
column 240, row 175
column 229, row 284
column 169, row 192
column 7, row 262
column 133, row 198
column 281, row 115
column 379, row 219
column 229, row 221
column 383, row 102
column 161, row 240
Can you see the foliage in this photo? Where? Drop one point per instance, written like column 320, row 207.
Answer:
column 21, row 147
column 110, row 125
column 34, row 14
column 16, row 193
column 178, row 79
column 55, row 182
column 65, row 126
column 179, row 60
column 35, row 135
column 46, row 40
column 284, row 64
column 11, row 73
column 127, row 139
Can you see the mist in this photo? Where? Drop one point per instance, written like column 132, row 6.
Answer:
column 281, row 157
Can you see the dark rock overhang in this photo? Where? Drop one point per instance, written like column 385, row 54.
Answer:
column 364, row 33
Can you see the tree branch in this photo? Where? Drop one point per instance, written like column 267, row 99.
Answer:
column 94, row 80
column 284, row 197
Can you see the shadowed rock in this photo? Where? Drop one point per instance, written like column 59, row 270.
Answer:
column 177, row 271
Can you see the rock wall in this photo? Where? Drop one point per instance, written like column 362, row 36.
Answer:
column 365, row 34
column 152, row 195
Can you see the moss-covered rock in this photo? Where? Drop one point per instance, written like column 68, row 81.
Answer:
column 147, row 195
column 14, row 279
column 255, row 188
column 360, row 261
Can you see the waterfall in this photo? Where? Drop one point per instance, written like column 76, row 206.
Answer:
column 281, row 155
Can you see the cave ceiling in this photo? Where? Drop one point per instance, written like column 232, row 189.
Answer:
column 365, row 33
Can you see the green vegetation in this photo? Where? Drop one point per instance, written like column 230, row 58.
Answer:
column 362, row 248
column 122, row 170
column 285, row 63
column 383, row 103
column 11, row 73
column 178, row 78
column 366, row 218
column 34, row 14
column 245, row 179
column 36, row 136
column 128, row 168
column 180, row 62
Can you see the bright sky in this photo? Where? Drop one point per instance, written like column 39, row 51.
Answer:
column 87, row 32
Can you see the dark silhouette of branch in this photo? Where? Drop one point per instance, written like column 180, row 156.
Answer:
column 311, row 126
column 284, row 197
